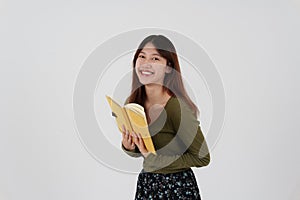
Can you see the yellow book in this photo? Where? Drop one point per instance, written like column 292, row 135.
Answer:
column 133, row 116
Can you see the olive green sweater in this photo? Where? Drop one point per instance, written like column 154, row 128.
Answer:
column 177, row 138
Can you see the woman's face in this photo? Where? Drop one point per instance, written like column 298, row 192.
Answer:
column 150, row 67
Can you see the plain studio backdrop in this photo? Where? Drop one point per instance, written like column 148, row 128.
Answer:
column 254, row 45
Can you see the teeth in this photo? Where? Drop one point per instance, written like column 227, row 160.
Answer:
column 147, row 73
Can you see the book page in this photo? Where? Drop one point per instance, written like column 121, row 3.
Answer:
column 136, row 108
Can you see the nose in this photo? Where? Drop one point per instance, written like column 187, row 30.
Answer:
column 147, row 63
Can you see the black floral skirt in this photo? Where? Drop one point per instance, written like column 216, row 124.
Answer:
column 180, row 185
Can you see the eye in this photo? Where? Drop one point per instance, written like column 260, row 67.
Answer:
column 155, row 58
column 141, row 56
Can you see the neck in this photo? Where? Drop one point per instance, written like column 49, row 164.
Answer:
column 155, row 93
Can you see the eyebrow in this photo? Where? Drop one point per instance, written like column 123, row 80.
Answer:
column 154, row 54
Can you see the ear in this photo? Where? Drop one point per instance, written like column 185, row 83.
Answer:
column 168, row 69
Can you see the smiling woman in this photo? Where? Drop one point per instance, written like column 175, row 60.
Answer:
column 157, row 86
column 151, row 66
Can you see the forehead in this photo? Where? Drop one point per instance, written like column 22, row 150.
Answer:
column 149, row 49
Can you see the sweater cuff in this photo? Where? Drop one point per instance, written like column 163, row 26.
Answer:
column 132, row 153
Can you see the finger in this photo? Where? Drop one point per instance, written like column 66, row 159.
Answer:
column 126, row 135
column 140, row 138
column 134, row 134
column 129, row 140
column 123, row 128
column 132, row 144
column 142, row 145
column 135, row 138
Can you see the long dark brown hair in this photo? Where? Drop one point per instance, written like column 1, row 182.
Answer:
column 173, row 83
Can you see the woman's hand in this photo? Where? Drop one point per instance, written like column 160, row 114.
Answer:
column 127, row 139
column 140, row 144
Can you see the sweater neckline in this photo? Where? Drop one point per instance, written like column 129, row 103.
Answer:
column 160, row 114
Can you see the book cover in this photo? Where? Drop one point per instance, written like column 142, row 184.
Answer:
column 133, row 116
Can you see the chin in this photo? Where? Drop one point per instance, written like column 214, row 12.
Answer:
column 145, row 83
column 149, row 82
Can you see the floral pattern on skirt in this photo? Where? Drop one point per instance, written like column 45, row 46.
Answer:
column 180, row 185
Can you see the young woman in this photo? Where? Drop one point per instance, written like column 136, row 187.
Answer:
column 172, row 117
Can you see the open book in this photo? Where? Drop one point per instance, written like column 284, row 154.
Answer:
column 133, row 116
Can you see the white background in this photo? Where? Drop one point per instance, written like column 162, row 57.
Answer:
column 254, row 44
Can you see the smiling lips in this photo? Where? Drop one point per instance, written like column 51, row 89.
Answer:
column 146, row 72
